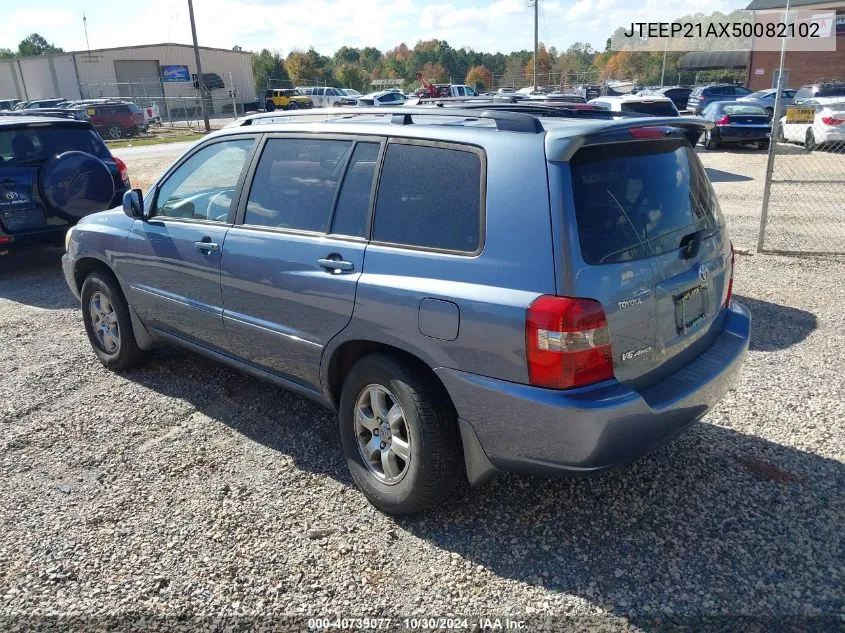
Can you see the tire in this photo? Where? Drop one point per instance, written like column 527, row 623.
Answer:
column 810, row 141
column 780, row 135
column 114, row 132
column 427, row 430
column 100, row 292
column 763, row 145
column 708, row 141
column 269, row 106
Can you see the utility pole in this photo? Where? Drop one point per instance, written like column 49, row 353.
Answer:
column 200, row 82
column 773, row 144
column 536, row 38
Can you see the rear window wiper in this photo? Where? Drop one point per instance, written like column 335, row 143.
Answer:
column 691, row 243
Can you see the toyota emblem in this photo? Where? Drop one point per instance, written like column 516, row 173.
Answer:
column 12, row 195
column 703, row 273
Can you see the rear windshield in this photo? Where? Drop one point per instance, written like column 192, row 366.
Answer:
column 134, row 109
column 37, row 143
column 655, row 108
column 743, row 109
column 640, row 199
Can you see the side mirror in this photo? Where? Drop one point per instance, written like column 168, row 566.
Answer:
column 133, row 204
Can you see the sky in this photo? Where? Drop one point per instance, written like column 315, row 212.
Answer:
column 494, row 25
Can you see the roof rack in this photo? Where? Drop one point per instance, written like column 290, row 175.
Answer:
column 505, row 120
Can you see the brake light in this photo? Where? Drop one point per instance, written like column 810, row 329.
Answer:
column 830, row 120
column 567, row 343
column 731, row 279
column 121, row 170
column 4, row 239
column 725, row 120
column 703, row 98
column 651, row 131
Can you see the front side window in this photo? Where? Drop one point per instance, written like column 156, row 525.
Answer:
column 429, row 197
column 203, row 187
column 295, row 183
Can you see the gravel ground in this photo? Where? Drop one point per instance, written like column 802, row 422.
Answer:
column 185, row 489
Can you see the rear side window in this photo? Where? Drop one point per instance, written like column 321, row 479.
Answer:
column 655, row 108
column 429, row 197
column 295, row 183
column 637, row 200
column 353, row 204
column 135, row 109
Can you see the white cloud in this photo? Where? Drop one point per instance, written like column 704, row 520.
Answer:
column 501, row 25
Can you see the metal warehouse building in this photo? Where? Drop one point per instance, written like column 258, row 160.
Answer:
column 160, row 72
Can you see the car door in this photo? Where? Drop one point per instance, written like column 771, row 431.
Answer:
column 173, row 257
column 292, row 261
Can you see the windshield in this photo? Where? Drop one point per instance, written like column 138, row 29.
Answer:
column 37, row 143
column 637, row 200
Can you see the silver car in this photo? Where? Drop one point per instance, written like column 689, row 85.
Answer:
column 766, row 98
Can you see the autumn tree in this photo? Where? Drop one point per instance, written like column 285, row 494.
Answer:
column 479, row 76
column 543, row 65
column 435, row 73
column 305, row 67
column 268, row 66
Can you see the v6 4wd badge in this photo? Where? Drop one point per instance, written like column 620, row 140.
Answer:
column 635, row 352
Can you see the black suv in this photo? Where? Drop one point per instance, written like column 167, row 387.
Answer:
column 703, row 96
column 53, row 172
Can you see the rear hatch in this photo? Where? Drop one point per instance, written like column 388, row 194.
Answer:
column 652, row 248
column 739, row 115
column 23, row 152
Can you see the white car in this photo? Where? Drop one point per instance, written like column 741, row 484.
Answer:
column 382, row 98
column 324, row 96
column 827, row 124
column 649, row 105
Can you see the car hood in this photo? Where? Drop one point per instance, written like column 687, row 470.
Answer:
column 115, row 219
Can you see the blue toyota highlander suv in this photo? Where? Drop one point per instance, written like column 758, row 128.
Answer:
column 471, row 291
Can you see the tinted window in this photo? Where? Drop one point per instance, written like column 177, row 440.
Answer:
column 134, row 109
column 38, row 143
column 655, row 108
column 742, row 92
column 429, row 197
column 636, row 200
column 353, row 203
column 743, row 109
column 295, row 183
column 203, row 186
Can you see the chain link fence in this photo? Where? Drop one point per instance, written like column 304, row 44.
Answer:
column 804, row 199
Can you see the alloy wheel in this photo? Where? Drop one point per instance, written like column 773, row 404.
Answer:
column 104, row 323
column 381, row 430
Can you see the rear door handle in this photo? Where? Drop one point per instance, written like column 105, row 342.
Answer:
column 336, row 265
column 206, row 247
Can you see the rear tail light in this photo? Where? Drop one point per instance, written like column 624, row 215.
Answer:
column 731, row 279
column 122, row 171
column 832, row 120
column 725, row 120
column 567, row 343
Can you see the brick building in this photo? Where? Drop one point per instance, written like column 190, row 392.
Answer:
column 800, row 67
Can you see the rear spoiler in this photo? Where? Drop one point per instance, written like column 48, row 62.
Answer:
column 561, row 148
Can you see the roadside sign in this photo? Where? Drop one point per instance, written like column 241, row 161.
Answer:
column 800, row 115
column 175, row 73
column 759, row 71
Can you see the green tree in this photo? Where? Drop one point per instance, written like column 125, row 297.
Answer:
column 307, row 67
column 267, row 65
column 36, row 45
column 352, row 76
column 6, row 53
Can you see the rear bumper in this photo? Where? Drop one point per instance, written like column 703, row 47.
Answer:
column 741, row 135
column 521, row 428
column 52, row 236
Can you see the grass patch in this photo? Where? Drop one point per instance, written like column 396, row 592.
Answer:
column 138, row 142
